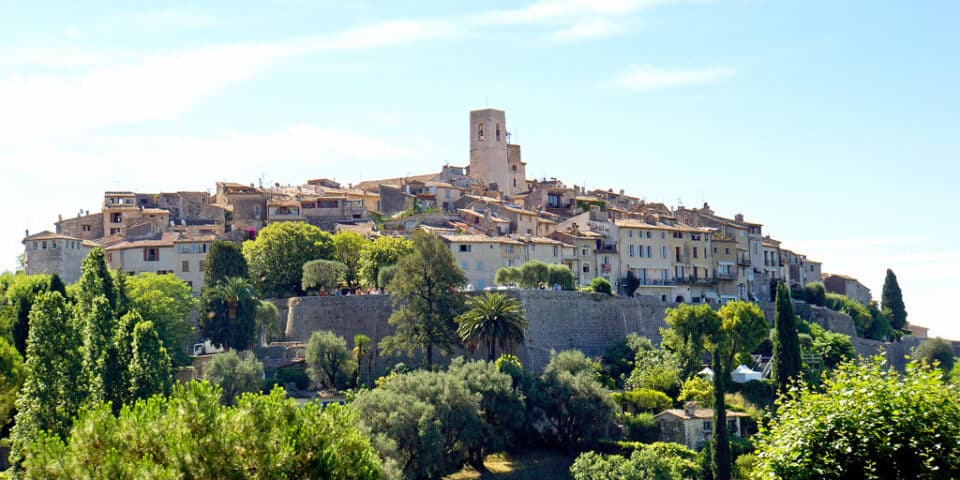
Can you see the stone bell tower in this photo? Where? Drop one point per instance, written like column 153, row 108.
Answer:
column 493, row 159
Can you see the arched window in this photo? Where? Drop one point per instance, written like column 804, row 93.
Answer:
column 498, row 132
column 480, row 132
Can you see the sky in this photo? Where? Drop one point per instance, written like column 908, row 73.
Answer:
column 834, row 124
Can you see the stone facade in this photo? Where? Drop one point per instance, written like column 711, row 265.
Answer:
column 493, row 159
column 48, row 252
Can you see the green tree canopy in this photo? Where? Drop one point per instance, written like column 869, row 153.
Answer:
column 815, row 293
column 327, row 360
column 12, row 373
column 235, row 373
column 277, row 256
column 534, row 274
column 228, row 313
column 224, row 259
column 786, row 345
column 20, row 293
column 601, row 285
column 493, row 320
column 322, row 275
column 168, row 302
column 657, row 461
column 892, row 299
column 95, row 280
column 379, row 253
column 268, row 322
column 936, row 350
column 426, row 299
column 190, row 435
column 559, row 274
column 865, row 421
column 150, row 372
column 49, row 398
column 572, row 403
column 347, row 247
column 508, row 276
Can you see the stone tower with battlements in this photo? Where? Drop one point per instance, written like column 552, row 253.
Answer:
column 493, row 160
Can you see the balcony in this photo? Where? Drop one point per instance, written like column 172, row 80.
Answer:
column 657, row 283
column 743, row 261
column 726, row 275
column 607, row 249
column 691, row 280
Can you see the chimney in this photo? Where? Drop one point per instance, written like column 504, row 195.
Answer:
column 690, row 409
column 88, row 212
column 26, row 233
column 738, row 217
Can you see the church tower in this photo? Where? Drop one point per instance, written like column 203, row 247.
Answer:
column 493, row 159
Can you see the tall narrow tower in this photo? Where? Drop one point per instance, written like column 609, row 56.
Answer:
column 492, row 160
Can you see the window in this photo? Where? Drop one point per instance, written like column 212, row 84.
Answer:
column 498, row 133
column 479, row 264
column 555, row 251
column 694, row 252
column 630, row 233
column 649, row 254
column 114, row 231
column 583, row 252
column 631, row 251
column 44, row 245
column 185, row 266
column 202, row 264
column 480, row 132
column 53, row 244
column 85, row 228
column 694, row 237
column 678, row 253
column 586, row 268
column 465, row 248
column 707, row 426
column 726, row 251
column 116, row 217
column 464, row 265
column 164, row 272
column 151, row 255
column 256, row 211
column 663, row 235
column 732, row 425
column 649, row 234
column 328, row 204
column 714, row 250
column 677, row 234
column 663, row 251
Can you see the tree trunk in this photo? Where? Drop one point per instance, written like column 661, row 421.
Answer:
column 430, row 356
column 721, row 438
column 492, row 349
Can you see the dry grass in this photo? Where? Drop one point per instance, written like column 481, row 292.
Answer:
column 525, row 465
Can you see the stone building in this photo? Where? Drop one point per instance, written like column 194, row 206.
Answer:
column 493, row 159
column 167, row 253
column 86, row 225
column 480, row 256
column 849, row 286
column 246, row 206
column 692, row 426
column 48, row 252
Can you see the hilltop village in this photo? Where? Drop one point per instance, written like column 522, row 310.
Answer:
column 489, row 213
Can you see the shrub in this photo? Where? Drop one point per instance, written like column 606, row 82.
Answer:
column 641, row 427
column 601, row 285
column 646, row 400
column 322, row 275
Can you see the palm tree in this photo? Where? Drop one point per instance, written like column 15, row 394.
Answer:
column 239, row 297
column 361, row 351
column 493, row 320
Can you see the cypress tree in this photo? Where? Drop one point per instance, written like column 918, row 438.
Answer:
column 786, row 344
column 49, row 399
column 97, row 334
column 120, row 355
column 150, row 372
column 892, row 299
column 56, row 285
column 224, row 259
column 95, row 280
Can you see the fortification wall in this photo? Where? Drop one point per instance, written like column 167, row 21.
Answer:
column 590, row 323
column 557, row 320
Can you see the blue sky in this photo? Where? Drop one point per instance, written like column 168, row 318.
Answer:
column 835, row 124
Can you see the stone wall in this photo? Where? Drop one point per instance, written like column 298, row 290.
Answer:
column 557, row 320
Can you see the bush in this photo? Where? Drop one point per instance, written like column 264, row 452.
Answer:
column 646, row 400
column 327, row 361
column 385, row 275
column 234, row 373
column 697, row 389
column 659, row 461
column 814, row 293
column 508, row 276
column 558, row 274
column 641, row 427
column 758, row 392
column 533, row 274
column 190, row 435
column 322, row 275
column 601, row 285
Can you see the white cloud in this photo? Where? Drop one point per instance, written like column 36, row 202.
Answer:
column 153, row 87
column 596, row 28
column 547, row 10
column 644, row 78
